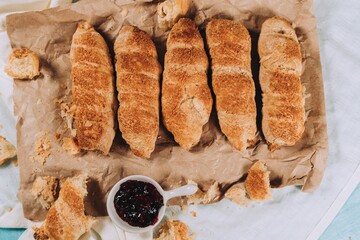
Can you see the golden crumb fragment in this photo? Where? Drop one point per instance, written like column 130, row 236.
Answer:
column 257, row 183
column 67, row 112
column 173, row 230
column 23, row 64
column 15, row 162
column 170, row 11
column 237, row 194
column 184, row 208
column 193, row 213
column 7, row 150
column 205, row 197
column 70, row 146
column 45, row 190
column 42, row 147
column 40, row 234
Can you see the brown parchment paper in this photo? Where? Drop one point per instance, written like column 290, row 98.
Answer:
column 49, row 34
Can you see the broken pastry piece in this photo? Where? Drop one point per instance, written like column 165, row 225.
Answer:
column 23, row 64
column 257, row 183
column 7, row 151
column 237, row 194
column 70, row 146
column 173, row 230
column 170, row 11
column 66, row 219
column 45, row 189
column 205, row 197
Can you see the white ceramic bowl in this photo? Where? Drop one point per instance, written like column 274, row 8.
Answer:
column 181, row 191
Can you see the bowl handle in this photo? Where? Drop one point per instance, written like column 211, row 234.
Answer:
column 188, row 189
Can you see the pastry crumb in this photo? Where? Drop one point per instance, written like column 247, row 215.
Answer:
column 237, row 194
column 7, row 150
column 45, row 190
column 56, row 101
column 23, row 64
column 15, row 162
column 42, row 147
column 173, row 230
column 205, row 197
column 184, row 208
column 174, row 214
column 70, row 146
column 193, row 213
column 67, row 112
column 170, row 11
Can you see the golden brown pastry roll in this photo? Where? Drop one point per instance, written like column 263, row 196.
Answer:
column 138, row 75
column 92, row 89
column 230, row 46
column 186, row 97
column 280, row 79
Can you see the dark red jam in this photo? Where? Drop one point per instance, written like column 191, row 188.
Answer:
column 138, row 203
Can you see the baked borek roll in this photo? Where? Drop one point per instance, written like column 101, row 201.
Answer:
column 93, row 87
column 280, row 79
column 230, row 51
column 186, row 97
column 138, row 75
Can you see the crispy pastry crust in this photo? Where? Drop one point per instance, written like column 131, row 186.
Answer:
column 92, row 89
column 280, row 79
column 230, row 45
column 138, row 75
column 186, row 98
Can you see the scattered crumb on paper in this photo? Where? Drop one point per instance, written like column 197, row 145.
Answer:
column 205, row 197
column 237, row 194
column 173, row 230
column 70, row 146
column 45, row 190
column 15, row 162
column 42, row 147
column 184, row 208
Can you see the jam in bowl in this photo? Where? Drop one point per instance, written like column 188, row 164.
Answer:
column 137, row 203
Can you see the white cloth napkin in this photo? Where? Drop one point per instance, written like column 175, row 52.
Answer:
column 291, row 214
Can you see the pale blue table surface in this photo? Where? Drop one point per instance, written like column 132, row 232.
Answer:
column 345, row 226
